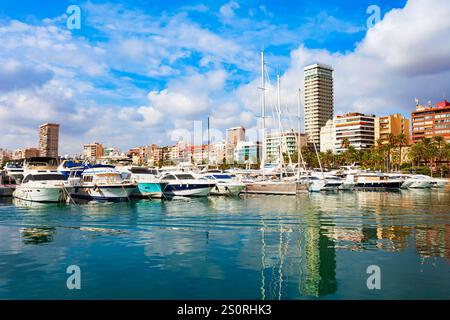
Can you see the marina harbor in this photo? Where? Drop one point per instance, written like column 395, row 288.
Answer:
column 42, row 180
column 224, row 155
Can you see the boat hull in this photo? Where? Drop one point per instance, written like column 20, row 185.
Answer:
column 440, row 183
column 420, row 185
column 150, row 189
column 320, row 186
column 117, row 193
column 226, row 189
column 188, row 190
column 385, row 185
column 40, row 194
column 347, row 186
column 267, row 187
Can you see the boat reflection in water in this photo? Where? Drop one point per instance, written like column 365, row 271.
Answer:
column 37, row 236
column 312, row 246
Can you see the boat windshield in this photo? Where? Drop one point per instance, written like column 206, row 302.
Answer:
column 13, row 165
column 185, row 176
column 221, row 176
column 44, row 177
column 144, row 171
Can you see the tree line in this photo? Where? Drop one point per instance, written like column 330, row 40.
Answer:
column 393, row 154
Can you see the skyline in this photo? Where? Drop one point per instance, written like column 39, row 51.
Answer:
column 126, row 71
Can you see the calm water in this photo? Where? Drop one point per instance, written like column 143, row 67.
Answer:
column 256, row 247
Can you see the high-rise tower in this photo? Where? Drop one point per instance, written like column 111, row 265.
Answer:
column 318, row 99
column 49, row 140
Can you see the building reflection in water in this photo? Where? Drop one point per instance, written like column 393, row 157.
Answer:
column 303, row 254
column 393, row 222
column 433, row 241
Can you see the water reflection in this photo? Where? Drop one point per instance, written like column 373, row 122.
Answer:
column 37, row 236
column 268, row 247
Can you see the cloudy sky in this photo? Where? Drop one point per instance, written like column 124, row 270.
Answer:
column 140, row 72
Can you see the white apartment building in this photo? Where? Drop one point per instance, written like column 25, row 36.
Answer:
column 328, row 137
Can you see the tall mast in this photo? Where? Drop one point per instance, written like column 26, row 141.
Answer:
column 282, row 140
column 263, row 114
column 280, row 147
column 299, row 144
column 209, row 145
column 318, row 159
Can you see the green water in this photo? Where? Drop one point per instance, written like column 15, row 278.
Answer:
column 314, row 246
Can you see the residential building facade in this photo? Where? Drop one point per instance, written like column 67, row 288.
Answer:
column 394, row 124
column 358, row 128
column 247, row 152
column 234, row 136
column 290, row 142
column 93, row 150
column 429, row 122
column 26, row 153
column 318, row 99
column 328, row 137
column 49, row 140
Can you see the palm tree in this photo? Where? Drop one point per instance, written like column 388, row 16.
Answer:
column 402, row 141
column 440, row 143
column 424, row 150
column 439, row 140
column 330, row 155
column 441, row 151
column 327, row 159
column 345, row 143
column 391, row 142
column 417, row 152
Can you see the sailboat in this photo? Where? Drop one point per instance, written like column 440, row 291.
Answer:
column 276, row 186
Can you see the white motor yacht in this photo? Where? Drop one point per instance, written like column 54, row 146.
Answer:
column 42, row 185
column 226, row 184
column 102, row 184
column 180, row 183
column 418, row 181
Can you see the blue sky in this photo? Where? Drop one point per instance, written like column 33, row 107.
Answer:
column 140, row 72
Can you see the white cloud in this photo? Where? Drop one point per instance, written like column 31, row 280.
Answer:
column 413, row 40
column 404, row 56
column 48, row 74
column 228, row 10
column 189, row 97
column 15, row 75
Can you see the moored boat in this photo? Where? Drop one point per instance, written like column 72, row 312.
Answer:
column 7, row 185
column 181, row 183
column 42, row 185
column 14, row 169
column 271, row 187
column 102, row 184
column 225, row 184
column 374, row 181
column 148, row 183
